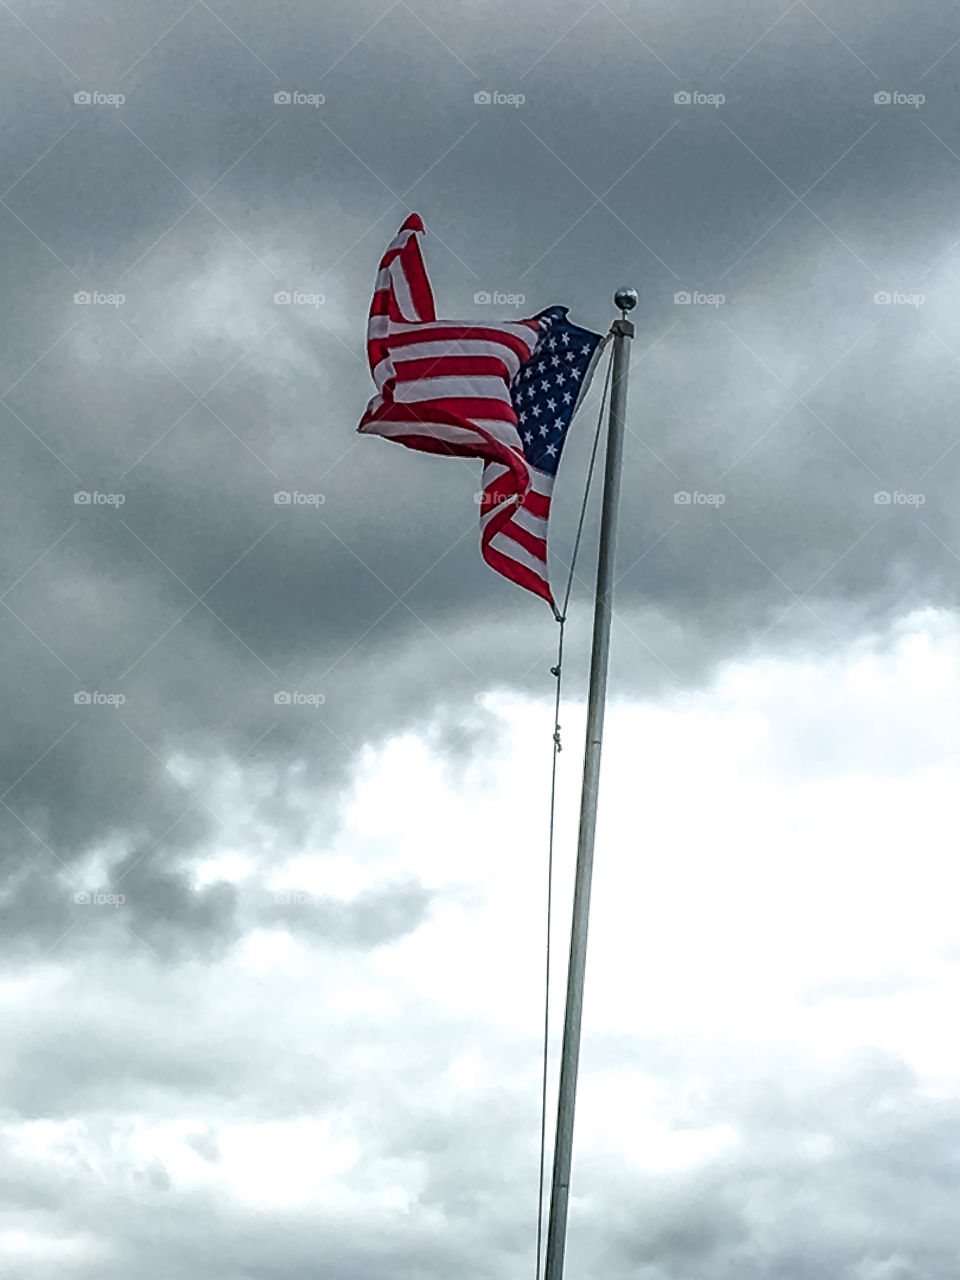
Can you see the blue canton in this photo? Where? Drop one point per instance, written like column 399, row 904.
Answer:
column 548, row 386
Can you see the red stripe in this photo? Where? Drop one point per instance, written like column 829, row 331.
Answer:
column 464, row 333
column 417, row 281
column 377, row 349
column 464, row 409
column 518, row 573
column 431, row 444
column 431, row 411
column 537, row 504
column 385, row 304
column 501, row 489
column 536, row 546
column 451, row 366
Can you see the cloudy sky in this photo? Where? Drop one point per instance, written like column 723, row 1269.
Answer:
column 272, row 991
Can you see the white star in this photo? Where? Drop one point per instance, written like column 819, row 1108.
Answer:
column 535, row 411
column 565, row 338
column 574, row 373
column 541, row 366
column 560, row 379
column 551, row 404
column 567, row 397
column 552, row 450
column 554, row 360
column 545, row 384
column 543, row 429
column 571, row 355
column 528, row 436
column 522, row 417
column 558, row 424
column 552, row 343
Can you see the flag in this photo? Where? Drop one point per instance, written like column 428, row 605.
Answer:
column 504, row 392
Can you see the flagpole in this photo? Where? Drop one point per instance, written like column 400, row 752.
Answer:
column 626, row 300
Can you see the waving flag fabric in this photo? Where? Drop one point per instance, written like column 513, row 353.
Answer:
column 503, row 392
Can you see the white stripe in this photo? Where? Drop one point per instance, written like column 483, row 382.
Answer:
column 440, row 350
column 383, row 372
column 541, row 482
column 401, row 290
column 513, row 551
column 537, row 525
column 399, row 240
column 502, row 432
column 492, row 472
column 487, row 516
column 436, row 430
column 454, row 388
column 458, row 348
column 385, row 327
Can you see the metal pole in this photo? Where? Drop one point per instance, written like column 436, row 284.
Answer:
column 625, row 299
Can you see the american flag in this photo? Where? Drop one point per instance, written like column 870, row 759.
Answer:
column 504, row 392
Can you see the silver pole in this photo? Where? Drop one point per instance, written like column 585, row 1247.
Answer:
column 625, row 299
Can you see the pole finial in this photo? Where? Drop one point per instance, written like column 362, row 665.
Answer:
column 626, row 300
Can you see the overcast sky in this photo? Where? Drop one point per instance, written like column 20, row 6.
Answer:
column 272, row 991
